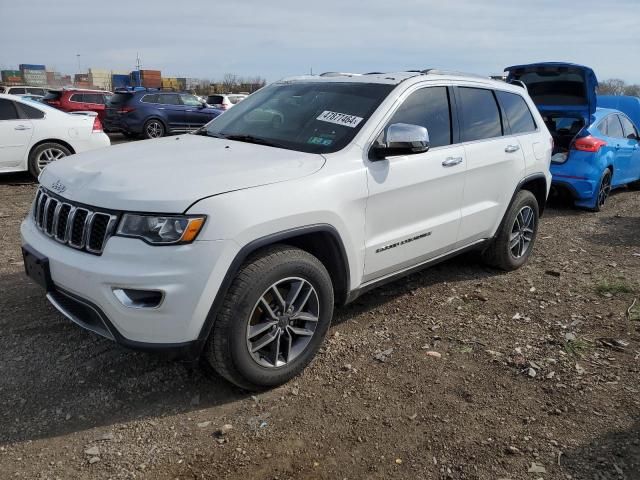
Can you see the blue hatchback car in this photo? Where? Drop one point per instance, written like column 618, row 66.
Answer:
column 156, row 113
column 595, row 149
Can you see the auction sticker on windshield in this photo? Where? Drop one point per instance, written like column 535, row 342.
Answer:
column 339, row 118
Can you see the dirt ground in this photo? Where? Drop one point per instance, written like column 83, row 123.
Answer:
column 538, row 376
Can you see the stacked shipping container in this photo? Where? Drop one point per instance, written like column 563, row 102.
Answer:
column 12, row 77
column 34, row 74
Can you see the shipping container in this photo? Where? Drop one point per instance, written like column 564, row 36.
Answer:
column 81, row 77
column 120, row 81
column 11, row 75
column 28, row 66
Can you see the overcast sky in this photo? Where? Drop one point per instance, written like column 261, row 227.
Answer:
column 276, row 38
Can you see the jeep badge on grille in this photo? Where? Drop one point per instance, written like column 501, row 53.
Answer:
column 58, row 186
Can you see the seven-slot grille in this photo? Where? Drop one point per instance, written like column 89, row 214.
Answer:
column 77, row 226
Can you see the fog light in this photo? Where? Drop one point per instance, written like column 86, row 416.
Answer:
column 139, row 298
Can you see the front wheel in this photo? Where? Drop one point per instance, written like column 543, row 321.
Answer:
column 44, row 154
column 273, row 320
column 153, row 129
column 513, row 243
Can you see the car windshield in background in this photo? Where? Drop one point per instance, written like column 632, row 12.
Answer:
column 314, row 117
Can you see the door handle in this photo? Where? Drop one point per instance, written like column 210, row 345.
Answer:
column 512, row 148
column 451, row 161
column 22, row 127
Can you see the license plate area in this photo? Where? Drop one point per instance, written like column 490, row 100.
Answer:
column 36, row 266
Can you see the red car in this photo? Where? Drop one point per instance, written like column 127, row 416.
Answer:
column 78, row 99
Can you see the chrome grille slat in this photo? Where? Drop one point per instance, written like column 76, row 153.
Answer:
column 50, row 215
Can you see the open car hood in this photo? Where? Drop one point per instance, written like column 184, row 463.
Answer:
column 558, row 88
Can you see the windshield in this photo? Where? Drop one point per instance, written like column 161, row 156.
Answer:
column 314, row 117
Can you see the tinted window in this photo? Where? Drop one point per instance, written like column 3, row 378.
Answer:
column 118, row 98
column 614, row 127
column 629, row 128
column 7, row 110
column 517, row 112
column 77, row 97
column 36, row 91
column 480, row 114
column 190, row 100
column 18, row 91
column 152, row 98
column 428, row 107
column 168, row 99
column 215, row 99
column 30, row 112
column 92, row 98
column 53, row 95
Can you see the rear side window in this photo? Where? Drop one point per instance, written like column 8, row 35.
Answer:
column 152, row 98
column 8, row 110
column 18, row 91
column 480, row 114
column 428, row 107
column 30, row 112
column 614, row 127
column 77, row 97
column 629, row 128
column 517, row 112
column 53, row 96
column 602, row 126
column 168, row 99
column 118, row 98
column 36, row 91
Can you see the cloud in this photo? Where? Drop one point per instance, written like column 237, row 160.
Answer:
column 284, row 37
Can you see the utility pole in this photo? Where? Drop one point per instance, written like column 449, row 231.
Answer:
column 139, row 81
column 79, row 69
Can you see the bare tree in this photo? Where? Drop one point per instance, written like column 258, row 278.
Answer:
column 229, row 82
column 612, row 86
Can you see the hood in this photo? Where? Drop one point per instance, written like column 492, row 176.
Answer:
column 558, row 88
column 627, row 104
column 169, row 174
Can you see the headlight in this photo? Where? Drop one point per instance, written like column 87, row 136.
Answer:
column 161, row 230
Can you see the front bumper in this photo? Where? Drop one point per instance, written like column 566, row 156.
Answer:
column 188, row 275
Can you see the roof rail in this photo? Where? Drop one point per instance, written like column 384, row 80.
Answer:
column 519, row 83
column 437, row 71
column 339, row 74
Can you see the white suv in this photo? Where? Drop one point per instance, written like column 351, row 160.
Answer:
column 236, row 242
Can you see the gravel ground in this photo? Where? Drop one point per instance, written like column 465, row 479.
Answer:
column 458, row 372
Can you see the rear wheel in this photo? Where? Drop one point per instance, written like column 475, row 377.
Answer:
column 604, row 189
column 513, row 243
column 153, row 129
column 273, row 320
column 44, row 154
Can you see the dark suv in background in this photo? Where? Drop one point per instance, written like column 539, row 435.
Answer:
column 156, row 113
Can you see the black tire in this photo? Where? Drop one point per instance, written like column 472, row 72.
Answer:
column 46, row 153
column 604, row 189
column 154, row 128
column 502, row 253
column 228, row 346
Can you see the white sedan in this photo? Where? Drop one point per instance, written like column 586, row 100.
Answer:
column 33, row 134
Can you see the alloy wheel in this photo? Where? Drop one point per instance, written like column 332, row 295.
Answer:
column 605, row 189
column 522, row 232
column 154, row 129
column 49, row 155
column 283, row 322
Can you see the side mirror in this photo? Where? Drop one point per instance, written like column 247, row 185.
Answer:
column 402, row 139
column 202, row 105
column 632, row 136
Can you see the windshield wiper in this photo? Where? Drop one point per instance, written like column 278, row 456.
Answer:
column 252, row 139
column 206, row 133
